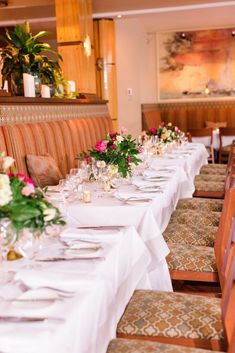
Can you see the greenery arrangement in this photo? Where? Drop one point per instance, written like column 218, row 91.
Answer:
column 24, row 204
column 116, row 149
column 24, row 53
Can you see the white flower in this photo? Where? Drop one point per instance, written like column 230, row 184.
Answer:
column 112, row 169
column 49, row 214
column 101, row 164
column 5, row 190
column 119, row 138
column 7, row 162
column 132, row 166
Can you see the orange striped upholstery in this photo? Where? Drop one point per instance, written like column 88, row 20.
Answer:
column 63, row 140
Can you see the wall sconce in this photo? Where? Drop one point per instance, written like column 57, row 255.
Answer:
column 233, row 33
column 87, row 46
column 183, row 35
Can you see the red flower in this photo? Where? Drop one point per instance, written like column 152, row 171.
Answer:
column 112, row 147
column 153, row 130
column 129, row 159
column 162, row 123
column 88, row 158
column 113, row 135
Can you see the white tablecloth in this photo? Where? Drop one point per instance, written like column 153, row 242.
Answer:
column 88, row 320
column 149, row 219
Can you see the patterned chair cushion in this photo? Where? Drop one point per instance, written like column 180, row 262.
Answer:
column 193, row 235
column 191, row 258
column 211, row 186
column 191, row 217
column 205, row 205
column 172, row 315
column 210, row 177
column 43, row 170
column 139, row 346
column 214, row 169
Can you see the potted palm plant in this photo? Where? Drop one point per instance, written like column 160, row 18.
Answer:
column 24, row 53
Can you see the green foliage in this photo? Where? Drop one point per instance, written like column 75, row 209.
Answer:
column 25, row 53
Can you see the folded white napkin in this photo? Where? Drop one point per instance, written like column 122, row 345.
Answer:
column 134, row 196
column 36, row 278
column 93, row 234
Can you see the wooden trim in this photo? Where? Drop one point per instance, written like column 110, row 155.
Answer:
column 72, row 42
column 194, row 276
column 209, row 194
column 51, row 101
column 214, row 345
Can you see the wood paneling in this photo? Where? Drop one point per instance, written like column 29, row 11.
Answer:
column 194, row 115
column 74, row 24
column 78, row 67
column 106, row 81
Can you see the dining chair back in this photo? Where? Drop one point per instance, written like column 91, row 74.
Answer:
column 224, row 233
column 228, row 299
column 204, row 136
column 227, row 135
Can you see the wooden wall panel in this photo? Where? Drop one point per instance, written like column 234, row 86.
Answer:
column 104, row 33
column 74, row 24
column 194, row 115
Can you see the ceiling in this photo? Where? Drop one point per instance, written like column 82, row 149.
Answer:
column 103, row 6
column 44, row 10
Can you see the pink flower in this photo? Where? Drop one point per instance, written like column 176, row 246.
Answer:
column 129, row 159
column 24, row 178
column 101, row 146
column 20, row 176
column 28, row 189
column 124, row 130
column 112, row 147
column 177, row 129
column 140, row 149
column 153, row 130
column 28, row 180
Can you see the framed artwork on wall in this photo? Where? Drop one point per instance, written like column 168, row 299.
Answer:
column 196, row 65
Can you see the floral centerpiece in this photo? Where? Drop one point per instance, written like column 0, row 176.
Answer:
column 165, row 132
column 118, row 150
column 24, row 204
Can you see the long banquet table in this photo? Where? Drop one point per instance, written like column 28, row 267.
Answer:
column 149, row 219
column 131, row 254
column 98, row 292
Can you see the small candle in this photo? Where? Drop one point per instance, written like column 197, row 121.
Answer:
column 45, row 91
column 86, row 196
column 29, row 85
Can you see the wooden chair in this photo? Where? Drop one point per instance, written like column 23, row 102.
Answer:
column 214, row 187
column 203, row 263
column 182, row 319
column 227, row 135
column 204, row 136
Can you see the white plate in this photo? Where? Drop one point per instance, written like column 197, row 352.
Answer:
column 35, row 299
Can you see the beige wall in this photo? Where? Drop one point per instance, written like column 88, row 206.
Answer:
column 136, row 54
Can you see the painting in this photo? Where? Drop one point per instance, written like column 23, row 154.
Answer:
column 196, row 65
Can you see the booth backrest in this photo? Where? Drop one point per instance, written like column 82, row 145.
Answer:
column 62, row 139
